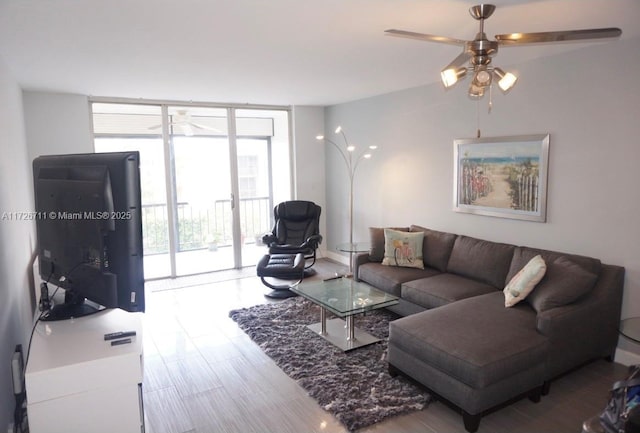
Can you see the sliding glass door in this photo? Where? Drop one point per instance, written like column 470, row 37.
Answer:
column 207, row 179
column 121, row 127
column 254, row 196
column 203, row 190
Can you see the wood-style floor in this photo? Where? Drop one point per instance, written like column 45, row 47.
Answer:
column 204, row 375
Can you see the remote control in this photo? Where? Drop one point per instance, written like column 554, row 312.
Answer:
column 116, row 335
column 120, row 342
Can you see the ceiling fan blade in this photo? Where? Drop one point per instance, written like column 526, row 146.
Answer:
column 559, row 36
column 186, row 129
column 424, row 37
column 461, row 60
column 205, row 127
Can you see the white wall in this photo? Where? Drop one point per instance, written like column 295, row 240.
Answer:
column 57, row 123
column 17, row 237
column 309, row 160
column 587, row 100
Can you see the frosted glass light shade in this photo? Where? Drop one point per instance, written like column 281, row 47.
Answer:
column 506, row 79
column 450, row 76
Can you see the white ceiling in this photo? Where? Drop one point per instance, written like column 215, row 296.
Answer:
column 285, row 52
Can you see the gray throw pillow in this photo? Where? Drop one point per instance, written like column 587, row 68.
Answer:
column 481, row 260
column 564, row 282
column 436, row 247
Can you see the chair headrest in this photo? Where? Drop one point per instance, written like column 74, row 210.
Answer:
column 297, row 210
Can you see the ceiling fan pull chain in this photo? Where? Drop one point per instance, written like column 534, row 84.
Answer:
column 490, row 97
column 478, row 117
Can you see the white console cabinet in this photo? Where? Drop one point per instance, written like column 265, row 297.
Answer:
column 78, row 382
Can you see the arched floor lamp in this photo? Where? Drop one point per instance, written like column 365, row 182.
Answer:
column 351, row 160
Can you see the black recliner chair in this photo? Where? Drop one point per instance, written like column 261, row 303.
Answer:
column 292, row 246
column 296, row 230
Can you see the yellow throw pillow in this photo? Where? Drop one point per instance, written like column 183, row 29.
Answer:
column 524, row 281
column 403, row 249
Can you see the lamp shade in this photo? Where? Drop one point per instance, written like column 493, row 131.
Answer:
column 482, row 77
column 506, row 80
column 451, row 76
column 455, row 70
column 476, row 92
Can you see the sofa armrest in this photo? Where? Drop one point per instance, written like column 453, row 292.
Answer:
column 358, row 260
column 587, row 328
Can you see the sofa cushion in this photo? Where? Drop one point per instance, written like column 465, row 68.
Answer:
column 565, row 282
column 524, row 281
column 442, row 289
column 436, row 247
column 376, row 238
column 522, row 255
column 403, row 249
column 389, row 279
column 481, row 260
column 475, row 340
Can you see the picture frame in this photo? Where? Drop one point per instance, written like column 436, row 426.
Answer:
column 502, row 177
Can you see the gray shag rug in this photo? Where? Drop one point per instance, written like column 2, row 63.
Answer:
column 354, row 386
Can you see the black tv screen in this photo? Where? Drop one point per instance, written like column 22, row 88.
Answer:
column 89, row 229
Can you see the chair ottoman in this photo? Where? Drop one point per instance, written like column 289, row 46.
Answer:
column 282, row 267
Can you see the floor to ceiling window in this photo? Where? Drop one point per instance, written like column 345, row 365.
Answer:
column 210, row 178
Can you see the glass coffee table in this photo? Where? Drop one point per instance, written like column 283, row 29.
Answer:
column 345, row 298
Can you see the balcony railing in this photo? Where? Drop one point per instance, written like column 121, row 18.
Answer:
column 200, row 228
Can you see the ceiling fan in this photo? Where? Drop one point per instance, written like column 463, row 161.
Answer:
column 477, row 54
column 182, row 120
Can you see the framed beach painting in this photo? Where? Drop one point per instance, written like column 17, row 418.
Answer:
column 502, row 176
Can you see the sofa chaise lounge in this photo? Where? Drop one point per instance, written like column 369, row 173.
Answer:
column 459, row 340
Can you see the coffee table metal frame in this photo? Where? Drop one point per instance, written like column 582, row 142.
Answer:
column 345, row 298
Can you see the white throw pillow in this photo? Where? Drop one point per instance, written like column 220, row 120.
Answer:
column 403, row 249
column 524, row 281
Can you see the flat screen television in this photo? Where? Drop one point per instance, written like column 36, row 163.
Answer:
column 89, row 229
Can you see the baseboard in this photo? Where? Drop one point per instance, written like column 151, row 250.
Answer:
column 321, row 252
column 625, row 357
column 337, row 257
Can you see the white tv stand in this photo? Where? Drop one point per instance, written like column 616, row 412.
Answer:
column 77, row 382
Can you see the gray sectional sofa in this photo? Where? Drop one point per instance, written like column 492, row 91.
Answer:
column 459, row 340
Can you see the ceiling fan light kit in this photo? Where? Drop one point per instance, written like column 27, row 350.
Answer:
column 477, row 54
